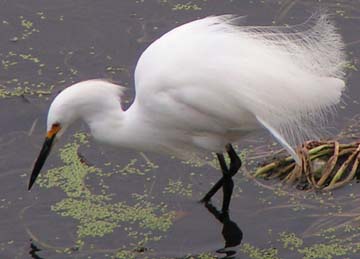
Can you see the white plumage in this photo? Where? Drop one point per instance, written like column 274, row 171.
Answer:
column 210, row 82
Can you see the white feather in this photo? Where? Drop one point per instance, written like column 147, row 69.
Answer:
column 213, row 75
column 280, row 139
column 211, row 82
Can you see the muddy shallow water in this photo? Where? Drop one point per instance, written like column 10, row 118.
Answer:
column 122, row 204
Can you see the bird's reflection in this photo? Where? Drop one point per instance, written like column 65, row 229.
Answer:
column 231, row 232
column 33, row 250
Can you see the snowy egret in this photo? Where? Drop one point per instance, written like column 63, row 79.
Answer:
column 208, row 83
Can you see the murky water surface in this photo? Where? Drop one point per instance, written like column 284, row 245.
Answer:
column 117, row 203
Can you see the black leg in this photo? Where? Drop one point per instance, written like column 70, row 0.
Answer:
column 235, row 162
column 226, row 180
column 228, row 184
column 219, row 183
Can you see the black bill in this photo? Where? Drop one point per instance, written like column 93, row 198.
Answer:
column 45, row 151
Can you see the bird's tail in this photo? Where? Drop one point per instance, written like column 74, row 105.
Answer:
column 317, row 51
column 315, row 44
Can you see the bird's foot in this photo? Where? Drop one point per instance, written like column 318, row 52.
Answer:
column 205, row 200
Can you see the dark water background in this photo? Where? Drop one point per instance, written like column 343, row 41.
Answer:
column 47, row 45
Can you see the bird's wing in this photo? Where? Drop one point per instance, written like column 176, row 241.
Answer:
column 288, row 77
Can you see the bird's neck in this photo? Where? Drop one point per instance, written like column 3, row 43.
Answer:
column 121, row 128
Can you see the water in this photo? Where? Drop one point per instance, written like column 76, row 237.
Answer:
column 133, row 205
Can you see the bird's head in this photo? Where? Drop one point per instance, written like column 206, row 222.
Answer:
column 57, row 123
column 89, row 100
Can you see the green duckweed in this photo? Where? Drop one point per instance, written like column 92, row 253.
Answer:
column 179, row 188
column 290, row 240
column 257, row 253
column 98, row 214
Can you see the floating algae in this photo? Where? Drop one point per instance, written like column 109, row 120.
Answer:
column 97, row 214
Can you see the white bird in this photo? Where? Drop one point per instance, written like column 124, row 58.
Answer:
column 208, row 83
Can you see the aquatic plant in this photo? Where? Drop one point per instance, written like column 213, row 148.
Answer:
column 325, row 165
column 95, row 211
